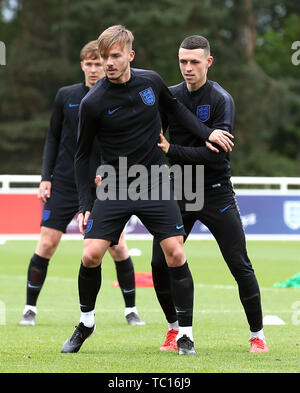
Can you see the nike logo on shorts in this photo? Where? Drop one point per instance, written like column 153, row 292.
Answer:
column 225, row 208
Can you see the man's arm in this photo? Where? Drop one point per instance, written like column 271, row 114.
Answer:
column 51, row 147
column 169, row 104
column 53, row 138
column 87, row 129
column 164, row 121
column 223, row 119
column 188, row 154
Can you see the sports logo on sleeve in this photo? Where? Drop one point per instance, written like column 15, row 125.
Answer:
column 148, row 96
column 203, row 112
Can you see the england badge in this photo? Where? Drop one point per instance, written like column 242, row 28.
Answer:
column 148, row 96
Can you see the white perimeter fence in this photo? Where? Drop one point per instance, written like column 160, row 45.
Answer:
column 269, row 206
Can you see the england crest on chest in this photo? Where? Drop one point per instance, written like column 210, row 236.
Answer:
column 148, row 96
column 203, row 112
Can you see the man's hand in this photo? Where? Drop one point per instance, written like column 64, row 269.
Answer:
column 98, row 180
column 222, row 138
column 82, row 221
column 164, row 144
column 44, row 191
column 211, row 147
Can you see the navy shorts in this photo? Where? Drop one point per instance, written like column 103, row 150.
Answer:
column 61, row 207
column 162, row 218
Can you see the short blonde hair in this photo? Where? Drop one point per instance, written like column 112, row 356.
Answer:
column 112, row 35
column 90, row 51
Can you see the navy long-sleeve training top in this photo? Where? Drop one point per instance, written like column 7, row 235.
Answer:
column 61, row 139
column 125, row 119
column 214, row 107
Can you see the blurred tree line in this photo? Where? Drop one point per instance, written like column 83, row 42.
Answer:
column 250, row 40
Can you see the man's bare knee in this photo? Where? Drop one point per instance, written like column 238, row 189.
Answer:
column 174, row 251
column 48, row 242
column 176, row 257
column 90, row 259
column 93, row 252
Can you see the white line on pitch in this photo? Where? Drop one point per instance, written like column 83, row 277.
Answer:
column 199, row 285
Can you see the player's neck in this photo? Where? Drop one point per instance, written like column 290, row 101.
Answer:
column 88, row 85
column 195, row 86
column 123, row 78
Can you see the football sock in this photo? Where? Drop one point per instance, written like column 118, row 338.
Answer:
column 259, row 334
column 89, row 283
column 129, row 310
column 88, row 318
column 125, row 275
column 36, row 274
column 29, row 307
column 185, row 330
column 182, row 289
column 173, row 326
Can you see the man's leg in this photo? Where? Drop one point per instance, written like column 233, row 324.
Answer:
column 125, row 275
column 89, row 284
column 162, row 287
column 37, row 271
column 182, row 290
column 161, row 281
column 228, row 230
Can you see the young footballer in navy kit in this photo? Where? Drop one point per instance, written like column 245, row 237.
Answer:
column 214, row 107
column 122, row 112
column 58, row 191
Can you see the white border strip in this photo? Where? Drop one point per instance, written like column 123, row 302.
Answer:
column 150, row 237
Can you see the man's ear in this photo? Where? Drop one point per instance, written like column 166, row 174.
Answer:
column 210, row 60
column 131, row 55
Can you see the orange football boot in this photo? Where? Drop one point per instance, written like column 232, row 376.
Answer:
column 258, row 345
column 170, row 343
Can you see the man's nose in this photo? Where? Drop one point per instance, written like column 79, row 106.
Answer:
column 94, row 68
column 110, row 61
column 189, row 67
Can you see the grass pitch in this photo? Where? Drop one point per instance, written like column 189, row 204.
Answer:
column 220, row 328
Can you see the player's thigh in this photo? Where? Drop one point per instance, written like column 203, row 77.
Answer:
column 48, row 242
column 119, row 252
column 107, row 220
column 93, row 251
column 226, row 226
column 188, row 220
column 158, row 260
column 162, row 218
column 60, row 208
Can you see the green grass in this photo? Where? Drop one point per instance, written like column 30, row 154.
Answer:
column 220, row 328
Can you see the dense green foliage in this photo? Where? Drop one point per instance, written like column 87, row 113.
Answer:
column 251, row 43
